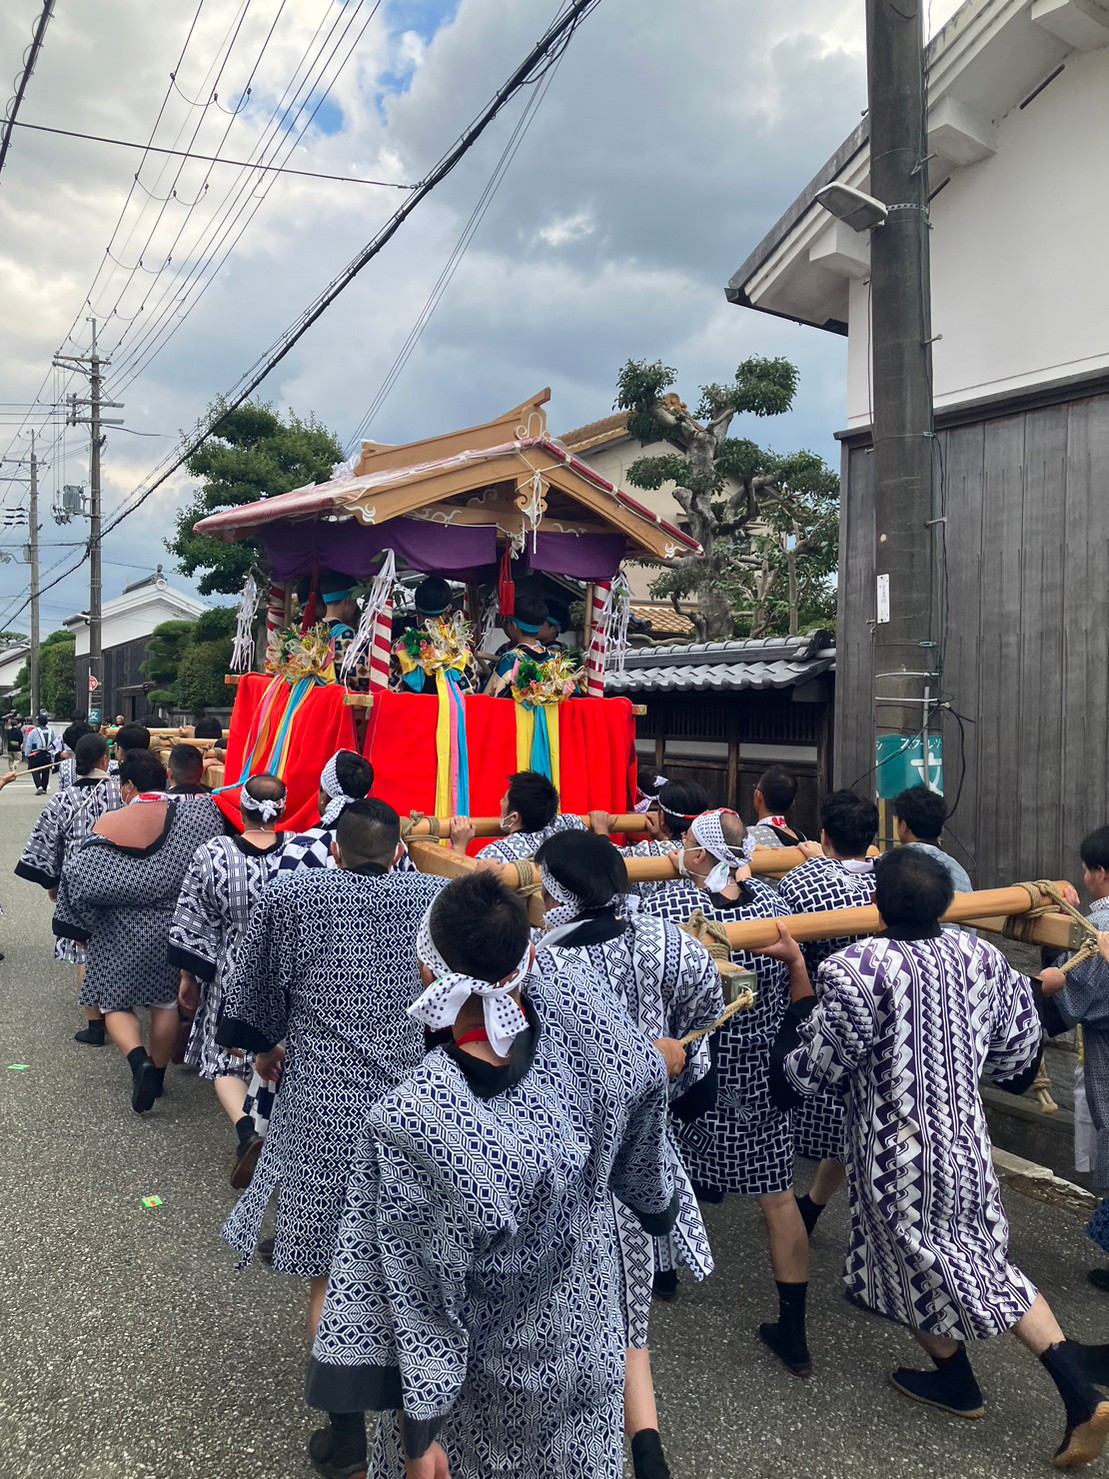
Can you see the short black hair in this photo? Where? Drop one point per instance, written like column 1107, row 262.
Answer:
column 333, row 580
column 480, row 928
column 588, row 865
column 850, row 821
column 912, row 888
column 558, row 614
column 923, row 811
column 133, row 737
column 433, row 596
column 356, row 775
column 89, row 750
column 208, row 727
column 186, row 763
column 779, row 789
column 266, row 787
column 367, row 832
column 648, row 780
column 1094, row 851
column 75, row 732
column 530, row 608
column 681, row 801
column 144, row 771
column 534, row 799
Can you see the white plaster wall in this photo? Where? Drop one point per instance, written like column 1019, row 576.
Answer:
column 1020, row 252
column 137, row 621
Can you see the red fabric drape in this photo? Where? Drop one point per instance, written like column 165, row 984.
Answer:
column 322, row 725
column 598, row 752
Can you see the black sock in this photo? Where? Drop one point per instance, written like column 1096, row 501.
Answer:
column 136, row 1058
column 791, row 1310
column 1064, row 1365
column 244, row 1128
column 956, row 1367
column 809, row 1210
column 349, row 1431
column 648, row 1459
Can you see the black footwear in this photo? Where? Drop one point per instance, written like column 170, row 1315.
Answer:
column 1085, row 1441
column 1095, row 1363
column 92, row 1036
column 648, row 1459
column 952, row 1387
column 1087, row 1410
column 810, row 1212
column 159, row 1082
column 793, row 1354
column 665, row 1285
column 1099, row 1278
column 245, row 1162
column 709, row 1194
column 145, row 1088
column 264, row 1250
column 321, row 1450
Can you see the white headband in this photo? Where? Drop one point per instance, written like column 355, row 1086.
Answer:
column 569, row 905
column 650, row 798
column 438, row 1007
column 709, row 832
column 330, row 782
column 269, row 809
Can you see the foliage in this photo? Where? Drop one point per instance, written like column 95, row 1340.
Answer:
column 767, row 522
column 200, row 678
column 219, row 622
column 57, row 678
column 253, row 454
column 165, row 649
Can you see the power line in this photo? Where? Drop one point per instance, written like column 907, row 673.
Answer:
column 28, row 70
column 276, row 169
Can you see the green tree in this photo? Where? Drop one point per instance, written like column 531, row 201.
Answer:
column 57, row 678
column 200, row 682
column 165, row 651
column 254, row 454
column 765, row 522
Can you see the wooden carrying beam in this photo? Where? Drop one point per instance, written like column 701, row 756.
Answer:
column 767, row 862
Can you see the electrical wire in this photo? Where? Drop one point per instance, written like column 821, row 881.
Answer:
column 30, row 57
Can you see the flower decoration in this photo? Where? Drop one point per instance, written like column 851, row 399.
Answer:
column 551, row 681
column 294, row 656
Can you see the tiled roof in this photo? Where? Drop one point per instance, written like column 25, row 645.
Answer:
column 771, row 662
column 609, row 429
column 663, row 620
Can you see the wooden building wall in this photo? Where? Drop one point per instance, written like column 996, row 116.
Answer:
column 122, row 669
column 1028, row 639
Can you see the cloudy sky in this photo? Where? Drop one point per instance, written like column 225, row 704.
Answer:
column 669, row 140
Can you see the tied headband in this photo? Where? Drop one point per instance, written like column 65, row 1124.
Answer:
column 269, row 809
column 650, row 798
column 569, row 905
column 438, row 1007
column 330, row 782
column 709, row 832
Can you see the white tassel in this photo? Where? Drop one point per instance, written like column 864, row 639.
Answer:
column 489, row 623
column 619, row 619
column 341, row 471
column 381, row 592
column 242, row 651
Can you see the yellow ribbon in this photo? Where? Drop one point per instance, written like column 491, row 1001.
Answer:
column 525, row 736
column 443, row 807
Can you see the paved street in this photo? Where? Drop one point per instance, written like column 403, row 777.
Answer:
column 133, row 1349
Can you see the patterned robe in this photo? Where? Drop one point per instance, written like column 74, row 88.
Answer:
column 648, row 847
column 518, row 845
column 669, row 985
column 908, row 1028
column 745, row 1144
column 328, row 965
column 120, row 902
column 312, row 849
column 476, row 1273
column 823, row 883
column 62, row 826
column 224, row 881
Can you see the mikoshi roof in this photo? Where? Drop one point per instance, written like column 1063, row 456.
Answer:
column 508, row 477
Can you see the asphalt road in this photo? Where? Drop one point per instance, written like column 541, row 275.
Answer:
column 132, row 1349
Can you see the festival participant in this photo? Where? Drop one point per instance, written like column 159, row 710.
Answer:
column 185, row 765
column 67, row 770
column 669, row 985
column 908, row 1024
column 62, row 827
column 921, row 814
column 774, row 795
column 328, row 965
column 434, row 601
column 36, row 752
column 744, row 1146
column 522, row 629
column 131, row 737
column 1081, row 999
column 475, row 1285
column 529, row 815
column 14, row 736
column 117, row 896
column 668, row 819
column 556, row 626
column 345, row 778
column 838, row 875
column 341, row 617
column 224, row 881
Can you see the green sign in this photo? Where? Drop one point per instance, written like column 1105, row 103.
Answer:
column 900, row 764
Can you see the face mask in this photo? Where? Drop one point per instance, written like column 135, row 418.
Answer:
column 683, row 867
column 507, row 823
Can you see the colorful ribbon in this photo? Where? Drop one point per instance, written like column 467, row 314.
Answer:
column 538, row 740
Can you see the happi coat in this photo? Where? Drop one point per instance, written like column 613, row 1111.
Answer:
column 818, row 885
column 327, row 966
column 519, row 845
column 312, row 849
column 669, row 985
column 476, row 1278
column 908, row 1027
column 63, row 824
column 745, row 1144
column 224, row 882
column 119, row 901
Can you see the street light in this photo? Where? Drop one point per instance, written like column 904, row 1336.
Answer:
column 853, row 207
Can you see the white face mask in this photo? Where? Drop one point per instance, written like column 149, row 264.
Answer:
column 683, row 866
column 507, row 822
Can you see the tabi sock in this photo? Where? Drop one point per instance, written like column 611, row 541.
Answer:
column 648, row 1459
column 245, row 1130
column 1065, row 1365
column 348, row 1429
column 951, row 1387
column 810, row 1212
column 159, row 1081
column 136, row 1058
column 791, row 1312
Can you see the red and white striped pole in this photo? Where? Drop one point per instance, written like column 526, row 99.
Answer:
column 598, row 639
column 275, row 607
column 381, row 645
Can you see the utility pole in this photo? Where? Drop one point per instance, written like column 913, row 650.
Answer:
column 33, row 661
column 906, row 521
column 95, row 422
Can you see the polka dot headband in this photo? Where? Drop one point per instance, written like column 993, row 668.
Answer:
column 330, row 782
column 709, row 833
column 438, row 1007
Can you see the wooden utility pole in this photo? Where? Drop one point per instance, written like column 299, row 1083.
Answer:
column 33, row 533
column 907, row 628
